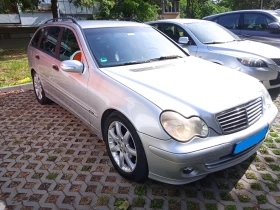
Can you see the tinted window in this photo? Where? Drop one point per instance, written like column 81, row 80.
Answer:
column 49, row 40
column 173, row 31
column 36, row 38
column 229, row 21
column 256, row 22
column 69, row 45
column 155, row 25
column 126, row 45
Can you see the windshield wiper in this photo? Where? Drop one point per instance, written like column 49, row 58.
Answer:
column 150, row 60
column 214, row 42
column 132, row 63
column 164, row 58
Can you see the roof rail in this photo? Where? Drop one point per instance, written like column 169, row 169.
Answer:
column 61, row 19
column 130, row 19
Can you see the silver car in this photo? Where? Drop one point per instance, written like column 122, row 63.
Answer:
column 212, row 42
column 162, row 113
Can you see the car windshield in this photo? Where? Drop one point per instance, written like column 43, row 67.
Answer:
column 276, row 14
column 211, row 33
column 118, row 46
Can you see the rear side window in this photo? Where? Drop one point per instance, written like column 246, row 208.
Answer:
column 36, row 37
column 49, row 40
column 256, row 22
column 69, row 45
column 229, row 21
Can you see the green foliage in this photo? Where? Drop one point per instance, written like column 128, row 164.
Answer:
column 142, row 10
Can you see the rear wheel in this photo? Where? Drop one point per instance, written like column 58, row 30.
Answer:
column 39, row 90
column 125, row 148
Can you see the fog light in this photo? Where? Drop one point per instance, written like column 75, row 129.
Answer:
column 188, row 170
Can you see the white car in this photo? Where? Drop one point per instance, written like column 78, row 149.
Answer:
column 213, row 42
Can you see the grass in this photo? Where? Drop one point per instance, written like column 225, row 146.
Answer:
column 230, row 207
column 103, row 201
column 140, row 190
column 268, row 159
column 267, row 177
column 208, row 195
column 261, row 199
column 243, row 198
column 256, row 186
column 226, row 196
column 272, row 187
column 239, row 186
column 250, row 175
column 52, row 176
column 138, row 202
column 274, row 167
column 14, row 68
column 156, row 203
column 211, row 206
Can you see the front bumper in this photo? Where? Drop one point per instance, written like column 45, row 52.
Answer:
column 167, row 159
column 264, row 74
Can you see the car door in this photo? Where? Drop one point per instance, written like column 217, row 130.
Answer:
column 175, row 32
column 46, row 55
column 255, row 26
column 231, row 22
column 70, row 88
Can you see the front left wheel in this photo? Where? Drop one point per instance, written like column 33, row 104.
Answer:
column 125, row 148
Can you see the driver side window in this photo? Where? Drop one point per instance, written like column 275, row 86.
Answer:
column 256, row 22
column 69, row 48
column 175, row 32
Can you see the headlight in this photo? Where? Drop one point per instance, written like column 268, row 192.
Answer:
column 181, row 128
column 267, row 101
column 252, row 62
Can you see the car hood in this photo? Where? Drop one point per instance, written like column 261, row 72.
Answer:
column 190, row 86
column 247, row 48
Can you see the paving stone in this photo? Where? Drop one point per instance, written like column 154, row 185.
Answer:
column 50, row 160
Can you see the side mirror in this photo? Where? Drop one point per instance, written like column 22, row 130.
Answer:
column 183, row 40
column 72, row 66
column 274, row 26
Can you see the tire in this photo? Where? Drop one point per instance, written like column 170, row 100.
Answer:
column 39, row 90
column 128, row 148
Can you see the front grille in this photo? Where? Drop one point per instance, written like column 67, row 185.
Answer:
column 240, row 117
column 276, row 60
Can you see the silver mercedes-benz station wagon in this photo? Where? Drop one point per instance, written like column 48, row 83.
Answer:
column 162, row 113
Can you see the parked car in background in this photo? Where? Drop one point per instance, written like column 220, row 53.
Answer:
column 257, row 25
column 162, row 113
column 213, row 42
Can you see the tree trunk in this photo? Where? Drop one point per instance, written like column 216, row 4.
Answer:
column 54, row 8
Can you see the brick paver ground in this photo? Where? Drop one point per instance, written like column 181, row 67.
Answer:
column 50, row 160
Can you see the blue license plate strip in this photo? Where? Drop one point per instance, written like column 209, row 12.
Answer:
column 252, row 140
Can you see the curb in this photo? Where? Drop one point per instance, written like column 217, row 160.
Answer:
column 16, row 87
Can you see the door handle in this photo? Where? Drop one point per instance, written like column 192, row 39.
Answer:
column 55, row 67
column 246, row 35
column 37, row 56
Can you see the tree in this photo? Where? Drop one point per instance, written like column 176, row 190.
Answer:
column 201, row 8
column 142, row 10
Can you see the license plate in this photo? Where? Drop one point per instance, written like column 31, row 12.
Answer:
column 252, row 140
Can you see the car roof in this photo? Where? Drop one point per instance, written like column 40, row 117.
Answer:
column 182, row 21
column 99, row 23
column 242, row 11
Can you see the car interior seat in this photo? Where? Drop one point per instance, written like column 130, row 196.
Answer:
column 261, row 22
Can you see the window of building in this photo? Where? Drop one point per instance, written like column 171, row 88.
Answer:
column 172, row 6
